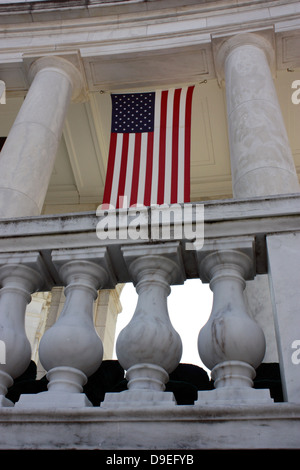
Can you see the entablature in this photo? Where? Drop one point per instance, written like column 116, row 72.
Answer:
column 126, row 44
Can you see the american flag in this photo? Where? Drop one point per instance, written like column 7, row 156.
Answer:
column 150, row 145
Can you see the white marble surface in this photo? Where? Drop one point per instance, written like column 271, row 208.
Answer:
column 18, row 280
column 228, row 219
column 55, row 400
column 28, row 156
column 261, row 158
column 284, row 275
column 71, row 350
column 259, row 307
column 139, row 398
column 149, row 347
column 214, row 427
column 231, row 344
column 238, row 395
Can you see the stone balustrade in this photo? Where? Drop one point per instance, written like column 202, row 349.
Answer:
column 40, row 252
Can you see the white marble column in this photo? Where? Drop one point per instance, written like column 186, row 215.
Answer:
column 284, row 273
column 149, row 348
column 20, row 275
column 261, row 158
column 28, row 155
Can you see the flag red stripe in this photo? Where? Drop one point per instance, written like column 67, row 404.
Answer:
column 187, row 145
column 162, row 148
column 110, row 168
column 175, row 135
column 149, row 167
column 123, row 168
column 136, row 169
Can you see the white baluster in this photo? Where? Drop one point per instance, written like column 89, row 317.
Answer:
column 231, row 343
column 71, row 349
column 149, row 348
column 19, row 277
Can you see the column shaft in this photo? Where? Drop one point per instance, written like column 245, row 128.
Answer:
column 261, row 158
column 28, row 156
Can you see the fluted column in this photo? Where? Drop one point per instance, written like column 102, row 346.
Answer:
column 71, row 350
column 149, row 348
column 261, row 158
column 28, row 156
column 231, row 343
column 20, row 275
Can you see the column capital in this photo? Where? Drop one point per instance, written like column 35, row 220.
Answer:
column 224, row 46
column 166, row 257
column 60, row 65
column 92, row 262
column 28, row 265
column 238, row 251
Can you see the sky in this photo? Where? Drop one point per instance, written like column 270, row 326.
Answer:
column 189, row 308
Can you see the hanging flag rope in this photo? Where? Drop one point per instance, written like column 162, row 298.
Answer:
column 150, row 147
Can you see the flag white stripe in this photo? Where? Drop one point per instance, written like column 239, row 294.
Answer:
column 142, row 175
column 129, row 169
column 155, row 168
column 181, row 145
column 117, row 166
column 169, row 141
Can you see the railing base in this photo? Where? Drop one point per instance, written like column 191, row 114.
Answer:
column 274, row 426
column 63, row 400
column 234, row 396
column 138, row 398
